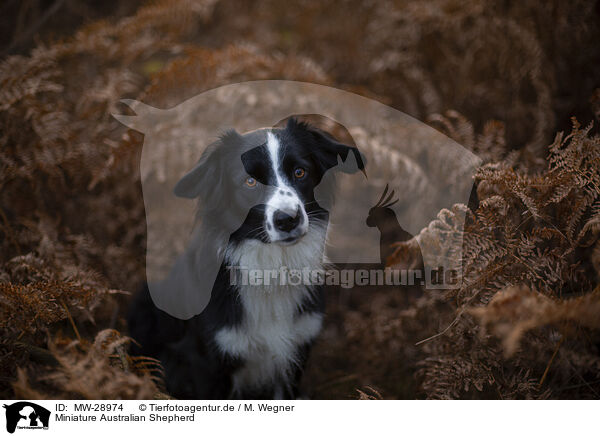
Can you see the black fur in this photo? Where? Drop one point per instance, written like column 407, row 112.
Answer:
column 195, row 366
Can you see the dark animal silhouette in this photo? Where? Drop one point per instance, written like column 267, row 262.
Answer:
column 384, row 218
column 33, row 419
column 13, row 415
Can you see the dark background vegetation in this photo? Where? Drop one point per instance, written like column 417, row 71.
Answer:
column 502, row 78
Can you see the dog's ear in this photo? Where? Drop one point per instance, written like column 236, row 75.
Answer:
column 205, row 176
column 328, row 150
column 193, row 183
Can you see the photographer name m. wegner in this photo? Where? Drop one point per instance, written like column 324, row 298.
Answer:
column 432, row 278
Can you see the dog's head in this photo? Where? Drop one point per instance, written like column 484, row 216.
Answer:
column 260, row 185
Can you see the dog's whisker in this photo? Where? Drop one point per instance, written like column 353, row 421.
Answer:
column 311, row 202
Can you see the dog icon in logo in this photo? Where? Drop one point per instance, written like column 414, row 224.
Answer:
column 26, row 415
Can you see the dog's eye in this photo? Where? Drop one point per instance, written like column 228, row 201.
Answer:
column 299, row 173
column 250, row 182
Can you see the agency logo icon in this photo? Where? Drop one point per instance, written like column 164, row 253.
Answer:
column 26, row 415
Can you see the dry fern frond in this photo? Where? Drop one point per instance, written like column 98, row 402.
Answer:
column 97, row 372
column 527, row 252
column 40, row 303
column 516, row 310
column 368, row 393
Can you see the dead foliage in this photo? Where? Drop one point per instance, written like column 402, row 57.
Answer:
column 501, row 79
column 87, row 371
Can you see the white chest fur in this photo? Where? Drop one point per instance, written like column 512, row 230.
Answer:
column 268, row 338
column 272, row 329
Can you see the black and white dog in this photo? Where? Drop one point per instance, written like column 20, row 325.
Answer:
column 251, row 341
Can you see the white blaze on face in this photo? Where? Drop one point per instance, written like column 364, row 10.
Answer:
column 284, row 199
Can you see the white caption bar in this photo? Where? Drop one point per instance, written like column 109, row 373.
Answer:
column 158, row 417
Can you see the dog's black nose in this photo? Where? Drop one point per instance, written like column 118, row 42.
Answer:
column 285, row 222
